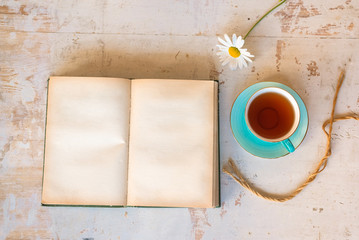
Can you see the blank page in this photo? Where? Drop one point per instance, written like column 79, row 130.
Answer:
column 86, row 148
column 171, row 143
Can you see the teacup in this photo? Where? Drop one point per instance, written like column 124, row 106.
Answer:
column 272, row 114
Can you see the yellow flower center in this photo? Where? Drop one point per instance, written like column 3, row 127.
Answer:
column 234, row 52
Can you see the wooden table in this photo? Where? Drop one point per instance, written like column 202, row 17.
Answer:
column 303, row 44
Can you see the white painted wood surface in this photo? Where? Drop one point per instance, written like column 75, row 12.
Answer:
column 303, row 44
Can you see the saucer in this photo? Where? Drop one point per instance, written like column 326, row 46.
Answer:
column 248, row 140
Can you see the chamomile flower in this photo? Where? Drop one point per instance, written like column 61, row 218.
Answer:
column 232, row 52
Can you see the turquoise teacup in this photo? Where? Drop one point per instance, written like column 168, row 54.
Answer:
column 272, row 114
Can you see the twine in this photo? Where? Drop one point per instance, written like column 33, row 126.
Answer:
column 232, row 170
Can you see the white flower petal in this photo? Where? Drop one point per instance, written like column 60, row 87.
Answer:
column 234, row 39
column 244, row 62
column 240, row 63
column 236, row 63
column 233, row 65
column 228, row 39
column 221, row 47
column 226, row 53
column 222, row 54
column 245, row 53
column 247, row 58
column 227, row 60
column 240, row 42
column 223, row 42
column 222, row 58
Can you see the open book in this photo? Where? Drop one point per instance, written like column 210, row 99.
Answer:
column 131, row 142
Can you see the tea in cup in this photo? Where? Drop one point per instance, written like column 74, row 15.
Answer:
column 272, row 114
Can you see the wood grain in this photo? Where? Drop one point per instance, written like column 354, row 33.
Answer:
column 303, row 44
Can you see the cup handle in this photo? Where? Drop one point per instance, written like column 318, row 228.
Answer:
column 288, row 145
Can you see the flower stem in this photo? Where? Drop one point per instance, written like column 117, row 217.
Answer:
column 250, row 30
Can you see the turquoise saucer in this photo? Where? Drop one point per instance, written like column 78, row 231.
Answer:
column 248, row 140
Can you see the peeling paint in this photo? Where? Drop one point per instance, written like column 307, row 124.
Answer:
column 6, row 148
column 280, row 46
column 313, row 69
column 237, row 202
column 199, row 219
column 351, row 26
column 223, row 210
column 292, row 13
column 325, row 30
column 340, row 7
